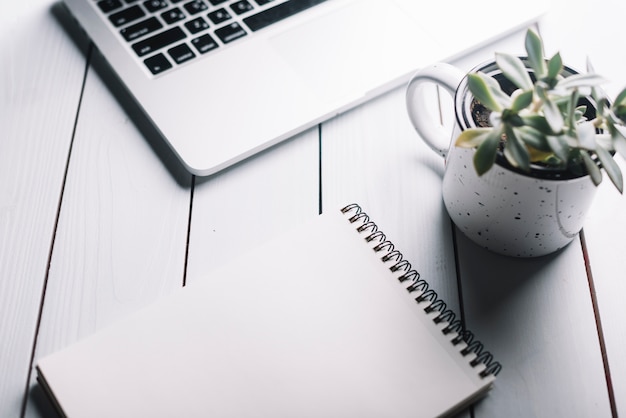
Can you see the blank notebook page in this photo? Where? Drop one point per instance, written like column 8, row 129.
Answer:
column 313, row 324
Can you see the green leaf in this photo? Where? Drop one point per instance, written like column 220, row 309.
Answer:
column 503, row 98
column 522, row 100
column 605, row 141
column 479, row 85
column 620, row 100
column 553, row 116
column 579, row 112
column 572, row 116
column 620, row 112
column 555, row 66
column 551, row 112
column 592, row 168
column 618, row 135
column 586, row 134
column 514, row 69
column 589, row 65
column 515, row 151
column 486, row 153
column 472, row 138
column 533, row 138
column 559, row 146
column 611, row 168
column 581, row 80
column 534, row 49
column 620, row 146
column 539, row 123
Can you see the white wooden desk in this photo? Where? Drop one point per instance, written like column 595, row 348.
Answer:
column 97, row 220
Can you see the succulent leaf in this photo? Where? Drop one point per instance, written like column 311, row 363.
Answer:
column 471, row 138
column 553, row 116
column 559, row 146
column 515, row 151
column 589, row 65
column 620, row 112
column 533, row 138
column 544, row 119
column 619, row 143
column 620, row 99
column 555, row 66
column 480, row 88
column 539, row 123
column 522, row 101
column 592, row 168
column 514, row 69
column 577, row 81
column 551, row 111
column 534, row 49
column 586, row 134
column 486, row 153
column 611, row 168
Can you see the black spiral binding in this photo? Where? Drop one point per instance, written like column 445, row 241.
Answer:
column 425, row 294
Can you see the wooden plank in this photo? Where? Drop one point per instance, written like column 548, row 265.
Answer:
column 41, row 73
column 122, row 230
column 605, row 225
column 536, row 317
column 252, row 202
column 604, row 230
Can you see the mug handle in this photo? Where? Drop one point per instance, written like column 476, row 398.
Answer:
column 444, row 75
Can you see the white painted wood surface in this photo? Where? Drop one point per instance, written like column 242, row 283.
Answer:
column 41, row 74
column 132, row 226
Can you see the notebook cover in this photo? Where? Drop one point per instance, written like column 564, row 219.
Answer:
column 311, row 324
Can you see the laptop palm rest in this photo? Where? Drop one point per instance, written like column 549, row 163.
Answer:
column 330, row 64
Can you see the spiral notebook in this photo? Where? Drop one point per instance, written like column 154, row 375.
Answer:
column 329, row 320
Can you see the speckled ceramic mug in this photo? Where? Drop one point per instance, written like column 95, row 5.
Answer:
column 508, row 212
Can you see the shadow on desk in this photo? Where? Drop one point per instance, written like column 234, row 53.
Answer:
column 41, row 403
column 493, row 278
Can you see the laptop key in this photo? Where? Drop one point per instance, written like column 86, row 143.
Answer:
column 157, row 64
column 230, row 33
column 216, row 2
column 154, row 5
column 196, row 25
column 195, row 6
column 219, row 16
column 140, row 29
column 181, row 53
column 159, row 41
column 241, row 7
column 126, row 16
column 279, row 12
column 109, row 5
column 173, row 15
column 204, row 43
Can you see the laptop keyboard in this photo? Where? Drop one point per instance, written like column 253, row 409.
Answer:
column 167, row 33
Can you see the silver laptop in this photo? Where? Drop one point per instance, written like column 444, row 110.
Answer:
column 221, row 80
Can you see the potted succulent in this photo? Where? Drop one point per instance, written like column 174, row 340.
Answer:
column 546, row 120
column 531, row 141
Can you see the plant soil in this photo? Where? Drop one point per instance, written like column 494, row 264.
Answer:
column 480, row 114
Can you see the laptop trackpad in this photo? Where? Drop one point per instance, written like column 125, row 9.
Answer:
column 331, row 52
